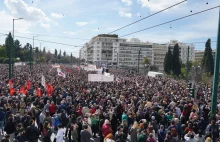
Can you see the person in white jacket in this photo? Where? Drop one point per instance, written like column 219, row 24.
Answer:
column 60, row 133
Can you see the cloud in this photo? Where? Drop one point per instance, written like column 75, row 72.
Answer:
column 6, row 23
column 127, row 2
column 70, row 33
column 81, row 23
column 20, row 9
column 156, row 5
column 56, row 15
column 47, row 26
column 124, row 14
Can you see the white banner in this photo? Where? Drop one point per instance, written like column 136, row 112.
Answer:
column 43, row 82
column 100, row 78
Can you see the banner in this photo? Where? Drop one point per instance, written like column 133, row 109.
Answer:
column 100, row 78
column 43, row 82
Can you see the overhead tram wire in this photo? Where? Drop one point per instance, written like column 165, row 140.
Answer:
column 48, row 35
column 198, row 42
column 46, row 41
column 170, row 21
column 147, row 17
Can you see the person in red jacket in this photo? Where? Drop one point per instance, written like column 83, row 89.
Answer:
column 106, row 128
column 52, row 109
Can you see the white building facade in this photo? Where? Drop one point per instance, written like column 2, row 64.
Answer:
column 111, row 50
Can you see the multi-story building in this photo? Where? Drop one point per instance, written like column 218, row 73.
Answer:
column 129, row 53
column 200, row 53
column 111, row 50
column 83, row 52
column 183, row 50
column 159, row 53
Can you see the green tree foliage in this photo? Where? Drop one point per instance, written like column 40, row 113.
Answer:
column 17, row 48
column 44, row 50
column 176, row 61
column 8, row 44
column 55, row 53
column 3, row 52
column 168, row 62
column 208, row 61
column 64, row 53
column 145, row 61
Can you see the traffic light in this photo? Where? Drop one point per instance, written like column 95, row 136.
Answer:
column 191, row 93
column 189, row 85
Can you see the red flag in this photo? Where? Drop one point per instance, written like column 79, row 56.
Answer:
column 12, row 91
column 68, row 71
column 49, row 89
column 28, row 85
column 10, row 83
column 23, row 91
column 38, row 92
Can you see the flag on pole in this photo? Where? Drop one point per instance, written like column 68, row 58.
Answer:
column 118, row 80
column 49, row 89
column 43, row 82
column 38, row 92
column 23, row 91
column 28, row 85
column 61, row 74
column 10, row 84
column 12, row 91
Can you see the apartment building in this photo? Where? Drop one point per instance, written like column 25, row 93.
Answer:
column 111, row 50
column 127, row 53
column 183, row 50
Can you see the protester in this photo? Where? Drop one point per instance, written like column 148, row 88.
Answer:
column 132, row 109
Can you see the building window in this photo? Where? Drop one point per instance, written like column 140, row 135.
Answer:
column 97, row 58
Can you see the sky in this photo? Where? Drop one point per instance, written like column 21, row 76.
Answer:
column 80, row 20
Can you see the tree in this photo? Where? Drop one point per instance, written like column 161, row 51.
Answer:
column 176, row 61
column 168, row 62
column 55, row 53
column 71, row 56
column 44, row 50
column 208, row 61
column 8, row 44
column 145, row 61
column 64, row 53
column 17, row 48
column 3, row 52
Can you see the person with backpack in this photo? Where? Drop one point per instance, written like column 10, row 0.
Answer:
column 47, row 132
column 214, row 130
column 2, row 120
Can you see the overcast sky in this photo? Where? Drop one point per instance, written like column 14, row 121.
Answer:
column 86, row 18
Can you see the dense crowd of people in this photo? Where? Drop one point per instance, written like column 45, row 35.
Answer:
column 134, row 108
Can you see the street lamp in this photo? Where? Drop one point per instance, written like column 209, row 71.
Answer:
column 13, row 44
column 196, row 71
column 31, row 48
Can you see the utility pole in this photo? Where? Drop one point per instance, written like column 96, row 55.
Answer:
column 139, row 58
column 117, row 61
column 187, row 65
column 216, row 72
column 10, row 65
column 12, row 56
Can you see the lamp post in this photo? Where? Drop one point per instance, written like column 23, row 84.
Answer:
column 216, row 72
column 196, row 71
column 13, row 44
column 31, row 58
column 139, row 52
